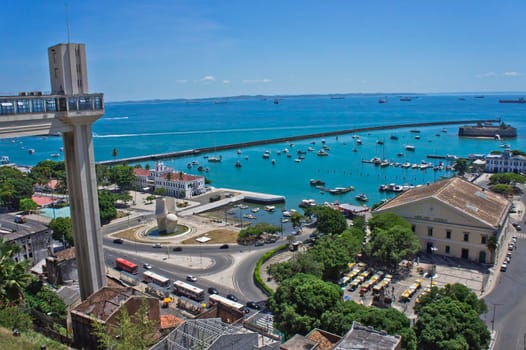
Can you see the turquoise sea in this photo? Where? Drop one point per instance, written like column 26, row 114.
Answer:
column 143, row 128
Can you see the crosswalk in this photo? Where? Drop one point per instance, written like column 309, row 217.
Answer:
column 266, row 322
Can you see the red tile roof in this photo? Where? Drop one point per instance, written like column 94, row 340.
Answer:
column 141, row 172
column 42, row 200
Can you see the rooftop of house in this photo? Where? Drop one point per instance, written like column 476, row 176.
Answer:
column 103, row 303
column 325, row 340
column 460, row 194
column 299, row 342
column 362, row 337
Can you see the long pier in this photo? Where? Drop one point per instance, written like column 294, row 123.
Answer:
column 196, row 151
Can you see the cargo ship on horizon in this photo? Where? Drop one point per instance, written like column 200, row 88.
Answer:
column 519, row 100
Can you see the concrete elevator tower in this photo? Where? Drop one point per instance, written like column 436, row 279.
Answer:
column 70, row 111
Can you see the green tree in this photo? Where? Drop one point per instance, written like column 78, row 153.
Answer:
column 329, row 221
column 160, row 191
column 492, row 246
column 506, row 178
column 392, row 245
column 132, row 332
column 461, row 166
column 387, row 220
column 300, row 302
column 14, row 276
column 47, row 170
column 450, row 316
column 28, row 205
column 295, row 219
column 107, row 209
column 62, row 230
column 503, row 189
column 123, row 176
column 102, row 172
column 15, row 317
column 43, row 299
column 14, row 186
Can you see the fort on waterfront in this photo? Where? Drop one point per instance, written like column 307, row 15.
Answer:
column 488, row 130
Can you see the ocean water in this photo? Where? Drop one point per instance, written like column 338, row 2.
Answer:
column 143, row 128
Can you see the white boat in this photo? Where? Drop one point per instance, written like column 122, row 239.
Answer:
column 284, row 220
column 31, row 150
column 254, row 210
column 4, row 160
column 249, row 216
column 243, row 206
column 238, row 164
column 238, row 151
column 286, row 213
column 54, row 155
column 297, row 160
column 310, row 149
column 269, row 208
column 362, row 197
column 322, row 153
column 410, row 147
column 215, row 159
column 305, row 203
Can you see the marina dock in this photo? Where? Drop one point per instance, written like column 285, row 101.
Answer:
column 196, row 151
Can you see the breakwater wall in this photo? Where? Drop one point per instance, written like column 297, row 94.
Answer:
column 197, row 151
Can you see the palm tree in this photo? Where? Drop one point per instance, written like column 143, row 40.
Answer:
column 14, row 276
column 115, row 153
column 492, row 246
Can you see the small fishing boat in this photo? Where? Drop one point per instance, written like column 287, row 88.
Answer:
column 238, row 164
column 362, row 197
column 269, row 208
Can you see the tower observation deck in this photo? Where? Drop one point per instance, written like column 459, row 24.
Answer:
column 69, row 110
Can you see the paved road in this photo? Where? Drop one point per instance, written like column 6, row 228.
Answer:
column 507, row 302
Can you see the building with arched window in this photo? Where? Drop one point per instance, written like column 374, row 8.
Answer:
column 453, row 217
column 176, row 183
column 505, row 162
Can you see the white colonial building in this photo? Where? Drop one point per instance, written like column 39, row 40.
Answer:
column 176, row 184
column 505, row 163
column 453, row 217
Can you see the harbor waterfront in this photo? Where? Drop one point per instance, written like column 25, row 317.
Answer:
column 156, row 127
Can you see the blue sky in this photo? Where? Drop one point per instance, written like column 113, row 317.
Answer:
column 192, row 49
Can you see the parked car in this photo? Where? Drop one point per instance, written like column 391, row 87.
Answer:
column 232, row 297
column 224, row 246
column 260, row 242
column 253, row 305
column 20, row 219
column 147, row 266
column 191, row 278
column 212, row 290
column 177, row 249
column 118, row 241
column 157, row 245
column 503, row 267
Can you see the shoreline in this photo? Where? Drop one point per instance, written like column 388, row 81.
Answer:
column 178, row 154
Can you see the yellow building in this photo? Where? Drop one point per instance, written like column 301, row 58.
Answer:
column 453, row 217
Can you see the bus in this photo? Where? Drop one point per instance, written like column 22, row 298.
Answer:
column 125, row 265
column 215, row 299
column 188, row 290
column 152, row 277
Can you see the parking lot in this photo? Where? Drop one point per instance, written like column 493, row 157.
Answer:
column 401, row 289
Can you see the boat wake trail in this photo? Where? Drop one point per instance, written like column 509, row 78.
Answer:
column 221, row 131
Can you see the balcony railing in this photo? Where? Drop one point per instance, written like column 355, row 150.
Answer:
column 13, row 105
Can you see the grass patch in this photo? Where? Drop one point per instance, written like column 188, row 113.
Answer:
column 129, row 234
column 27, row 341
column 216, row 236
